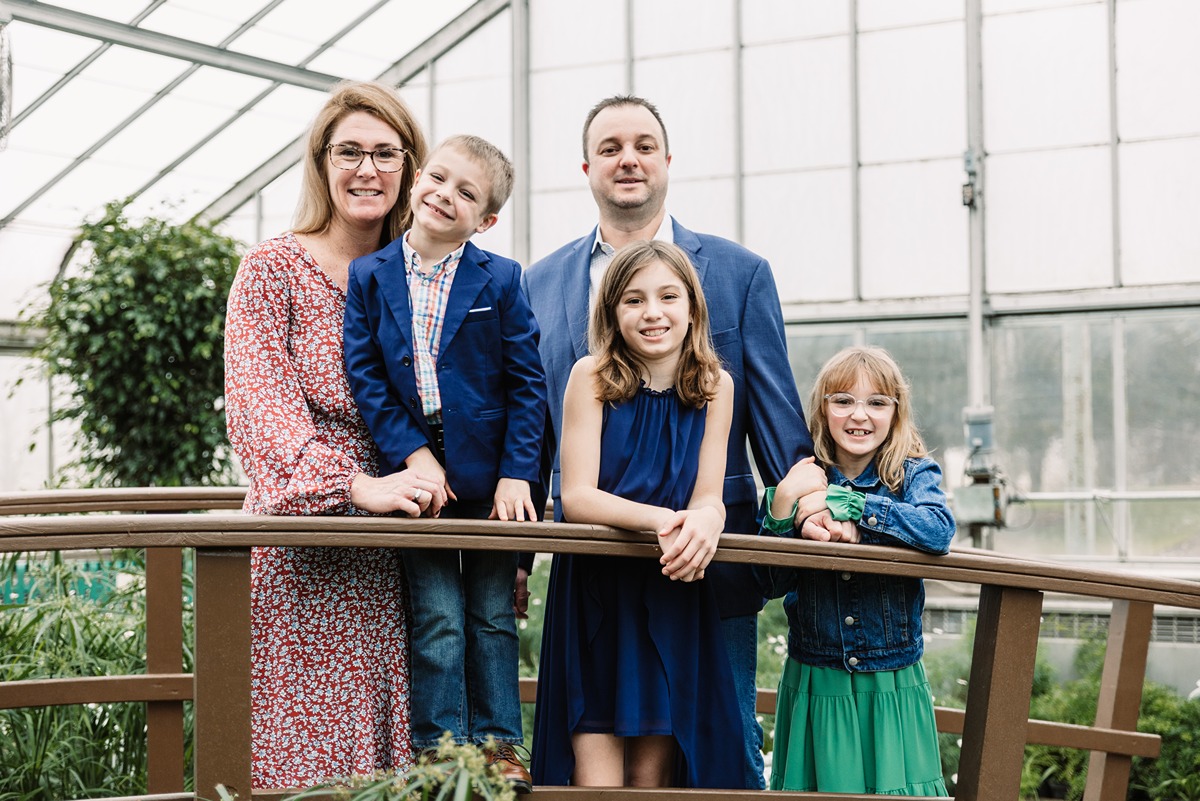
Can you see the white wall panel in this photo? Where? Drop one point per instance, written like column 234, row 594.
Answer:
column 664, row 27
column 706, row 206
column 797, row 105
column 559, row 218
column 914, row 230
column 1049, row 221
column 560, row 101
column 777, row 20
column 696, row 98
column 1158, row 68
column 800, row 222
column 1160, row 212
column 570, row 34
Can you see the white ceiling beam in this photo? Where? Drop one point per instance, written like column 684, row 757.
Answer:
column 62, row 19
column 437, row 45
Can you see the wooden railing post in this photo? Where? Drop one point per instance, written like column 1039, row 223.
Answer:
column 1120, row 695
column 222, row 671
column 164, row 654
column 998, row 693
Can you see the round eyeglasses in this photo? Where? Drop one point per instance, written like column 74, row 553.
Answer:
column 348, row 157
column 843, row 404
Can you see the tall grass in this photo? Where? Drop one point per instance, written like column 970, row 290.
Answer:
column 73, row 622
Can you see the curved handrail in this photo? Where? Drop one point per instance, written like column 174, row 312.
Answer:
column 1011, row 592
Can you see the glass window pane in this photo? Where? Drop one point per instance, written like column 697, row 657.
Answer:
column 1158, row 65
column 1049, row 221
column 675, row 26
column 912, row 93
column 888, row 13
column 38, row 250
column 810, row 253
column 486, row 53
column 777, row 20
column 23, row 425
column 705, row 206
column 695, row 95
column 914, row 230
column 1046, row 78
column 1160, row 238
column 809, row 347
column 802, row 122
column 481, row 107
column 559, row 218
column 603, row 41
column 560, row 101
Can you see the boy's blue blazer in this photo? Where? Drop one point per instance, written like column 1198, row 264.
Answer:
column 489, row 371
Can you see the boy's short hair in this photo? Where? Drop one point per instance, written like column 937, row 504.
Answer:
column 495, row 164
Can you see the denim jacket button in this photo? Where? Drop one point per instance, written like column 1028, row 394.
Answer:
column 871, row 521
column 853, row 661
column 849, row 620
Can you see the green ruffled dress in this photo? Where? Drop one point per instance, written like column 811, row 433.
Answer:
column 842, row 732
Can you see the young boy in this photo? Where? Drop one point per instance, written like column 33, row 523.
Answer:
column 442, row 356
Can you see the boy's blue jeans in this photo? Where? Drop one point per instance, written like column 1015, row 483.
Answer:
column 464, row 646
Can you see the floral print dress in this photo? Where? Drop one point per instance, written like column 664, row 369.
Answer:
column 329, row 637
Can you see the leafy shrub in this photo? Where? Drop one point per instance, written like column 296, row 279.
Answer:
column 137, row 335
column 75, row 623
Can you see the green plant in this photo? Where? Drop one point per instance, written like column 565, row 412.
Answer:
column 458, row 772
column 74, row 622
column 137, row 335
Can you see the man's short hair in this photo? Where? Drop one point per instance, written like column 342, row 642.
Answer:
column 497, row 166
column 623, row 100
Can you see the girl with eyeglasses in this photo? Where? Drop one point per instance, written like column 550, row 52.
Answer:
column 854, row 711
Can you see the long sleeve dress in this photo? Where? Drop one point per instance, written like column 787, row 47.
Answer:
column 329, row 637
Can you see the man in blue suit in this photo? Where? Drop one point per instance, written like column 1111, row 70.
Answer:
column 626, row 156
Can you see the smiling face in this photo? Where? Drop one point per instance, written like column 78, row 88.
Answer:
column 363, row 196
column 653, row 314
column 857, row 436
column 627, row 161
column 450, row 199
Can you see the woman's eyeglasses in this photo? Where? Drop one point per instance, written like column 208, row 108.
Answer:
column 348, row 157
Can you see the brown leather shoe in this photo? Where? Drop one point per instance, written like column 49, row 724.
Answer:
column 511, row 766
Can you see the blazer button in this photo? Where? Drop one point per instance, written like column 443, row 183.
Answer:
column 412, row 402
column 849, row 620
column 406, row 361
column 845, row 577
column 871, row 521
column 853, row 661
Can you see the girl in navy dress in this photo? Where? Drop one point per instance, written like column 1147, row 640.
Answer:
column 634, row 686
column 854, row 710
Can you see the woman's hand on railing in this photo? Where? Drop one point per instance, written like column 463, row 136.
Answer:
column 406, row 491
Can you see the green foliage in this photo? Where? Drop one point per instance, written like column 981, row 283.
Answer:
column 1173, row 776
column 137, row 335
column 456, row 773
column 74, row 622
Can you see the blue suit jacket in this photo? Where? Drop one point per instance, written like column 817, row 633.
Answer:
column 747, row 331
column 492, row 386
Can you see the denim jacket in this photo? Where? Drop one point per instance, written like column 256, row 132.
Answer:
column 865, row 621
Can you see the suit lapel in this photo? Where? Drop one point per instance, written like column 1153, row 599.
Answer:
column 469, row 280
column 576, row 286
column 690, row 243
column 393, row 283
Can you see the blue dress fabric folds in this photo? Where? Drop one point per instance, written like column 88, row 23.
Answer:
column 625, row 650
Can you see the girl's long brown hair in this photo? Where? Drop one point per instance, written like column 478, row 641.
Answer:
column 879, row 369
column 618, row 371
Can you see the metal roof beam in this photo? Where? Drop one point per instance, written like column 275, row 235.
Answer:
column 106, row 30
column 437, row 45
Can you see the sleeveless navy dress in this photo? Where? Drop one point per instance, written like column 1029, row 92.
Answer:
column 625, row 650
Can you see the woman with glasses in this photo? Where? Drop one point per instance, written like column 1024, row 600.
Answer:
column 329, row 650
column 854, row 711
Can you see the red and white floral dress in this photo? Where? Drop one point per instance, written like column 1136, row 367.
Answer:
column 329, row 636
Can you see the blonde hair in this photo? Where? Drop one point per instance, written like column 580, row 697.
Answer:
column 876, row 367
column 618, row 371
column 314, row 211
column 495, row 164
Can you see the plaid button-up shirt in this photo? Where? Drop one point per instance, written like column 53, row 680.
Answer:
column 428, row 294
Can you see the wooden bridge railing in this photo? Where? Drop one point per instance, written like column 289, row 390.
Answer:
column 994, row 725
